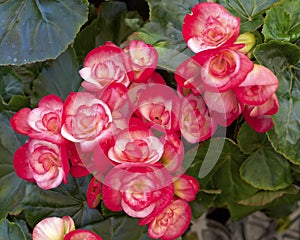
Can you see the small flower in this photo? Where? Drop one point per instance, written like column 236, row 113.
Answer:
column 86, row 120
column 136, row 145
column 227, row 109
column 42, row 162
column 224, row 68
column 144, row 59
column 209, row 26
column 171, row 222
column 195, row 123
column 105, row 65
column 138, row 189
column 43, row 122
column 94, row 193
column 80, row 234
column 259, row 117
column 259, row 85
column 186, row 187
column 53, row 228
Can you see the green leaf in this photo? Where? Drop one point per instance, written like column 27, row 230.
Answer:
column 32, row 30
column 282, row 22
column 119, row 228
column 10, row 231
column 12, row 188
column 114, row 23
column 250, row 12
column 59, row 77
column 225, row 174
column 283, row 59
column 249, row 140
column 66, row 200
column 266, row 169
column 264, row 197
column 11, row 90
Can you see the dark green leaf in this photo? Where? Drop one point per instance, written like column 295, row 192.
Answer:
column 283, row 206
column 225, row 174
column 249, row 140
column 10, row 84
column 59, row 77
column 283, row 22
column 12, row 189
column 283, row 59
column 17, row 102
column 238, row 211
column 66, row 200
column 264, row 197
column 10, row 231
column 266, row 169
column 38, row 30
column 113, row 23
column 119, row 228
column 250, row 12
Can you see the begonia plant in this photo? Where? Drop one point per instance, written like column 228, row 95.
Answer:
column 130, row 121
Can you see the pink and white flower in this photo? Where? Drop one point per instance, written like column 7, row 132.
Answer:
column 42, row 162
column 224, row 107
column 53, row 228
column 136, row 145
column 43, row 122
column 186, row 187
column 259, row 85
column 171, row 222
column 188, row 75
column 85, row 120
column 138, row 189
column 209, row 26
column 259, row 117
column 93, row 194
column 105, row 65
column 143, row 59
column 159, row 105
column 223, row 68
column 81, row 234
column 195, row 123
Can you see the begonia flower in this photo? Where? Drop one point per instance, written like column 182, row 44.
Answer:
column 143, row 59
column 259, row 85
column 53, row 228
column 209, row 26
column 78, row 168
column 159, row 105
column 224, row 107
column 223, row 68
column 93, row 194
column 195, row 123
column 173, row 154
column 138, row 189
column 81, row 234
column 85, row 120
column 186, row 187
column 43, row 122
column 188, row 75
column 42, row 162
column 136, row 145
column 105, row 65
column 259, row 117
column 171, row 222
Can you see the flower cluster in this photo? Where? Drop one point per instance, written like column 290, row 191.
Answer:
column 54, row 228
column 128, row 127
column 221, row 74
